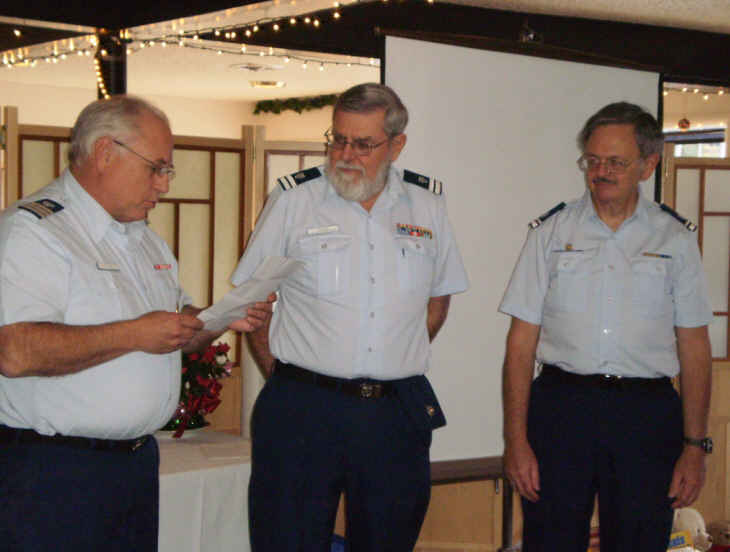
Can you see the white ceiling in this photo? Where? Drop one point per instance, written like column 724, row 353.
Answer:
column 195, row 73
column 703, row 15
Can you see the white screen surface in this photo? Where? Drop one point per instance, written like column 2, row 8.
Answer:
column 499, row 130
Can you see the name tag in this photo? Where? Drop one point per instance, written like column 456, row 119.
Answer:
column 108, row 267
column 322, row 230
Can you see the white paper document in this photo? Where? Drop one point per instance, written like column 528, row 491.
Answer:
column 233, row 305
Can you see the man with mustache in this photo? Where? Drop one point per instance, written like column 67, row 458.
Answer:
column 346, row 406
column 93, row 323
column 609, row 296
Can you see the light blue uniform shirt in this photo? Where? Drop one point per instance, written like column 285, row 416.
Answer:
column 608, row 302
column 79, row 266
column 357, row 308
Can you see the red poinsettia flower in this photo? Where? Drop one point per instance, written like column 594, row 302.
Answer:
column 200, row 388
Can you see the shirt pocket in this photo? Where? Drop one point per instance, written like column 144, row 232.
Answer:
column 651, row 291
column 166, row 293
column 569, row 283
column 94, row 299
column 415, row 261
column 327, row 259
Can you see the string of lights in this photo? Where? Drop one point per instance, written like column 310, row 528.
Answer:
column 189, row 38
column 101, row 85
column 54, row 52
column 705, row 93
column 244, row 50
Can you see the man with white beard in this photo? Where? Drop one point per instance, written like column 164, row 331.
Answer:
column 346, row 407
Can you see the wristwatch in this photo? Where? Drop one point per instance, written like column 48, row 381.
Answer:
column 705, row 444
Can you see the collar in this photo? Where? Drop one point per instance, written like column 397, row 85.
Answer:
column 587, row 211
column 93, row 216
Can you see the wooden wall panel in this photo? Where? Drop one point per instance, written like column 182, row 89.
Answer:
column 195, row 252
column 714, row 500
column 37, row 165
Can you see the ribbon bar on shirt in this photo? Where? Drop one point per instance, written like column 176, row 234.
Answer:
column 415, row 231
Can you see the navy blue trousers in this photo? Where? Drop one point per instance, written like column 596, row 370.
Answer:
column 65, row 499
column 309, row 444
column 621, row 444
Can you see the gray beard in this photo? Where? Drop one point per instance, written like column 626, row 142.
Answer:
column 364, row 188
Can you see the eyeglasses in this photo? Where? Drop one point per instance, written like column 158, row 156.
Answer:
column 158, row 170
column 614, row 165
column 360, row 146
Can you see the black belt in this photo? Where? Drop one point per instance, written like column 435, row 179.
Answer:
column 363, row 388
column 555, row 373
column 12, row 435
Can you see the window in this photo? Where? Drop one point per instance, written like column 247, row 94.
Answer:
column 698, row 143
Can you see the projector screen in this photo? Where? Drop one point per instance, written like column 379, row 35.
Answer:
column 499, row 130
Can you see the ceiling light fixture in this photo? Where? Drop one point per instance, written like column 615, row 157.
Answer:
column 267, row 84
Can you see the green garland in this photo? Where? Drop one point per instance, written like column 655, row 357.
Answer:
column 295, row 104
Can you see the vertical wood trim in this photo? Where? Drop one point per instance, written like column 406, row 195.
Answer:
column 243, row 200
column 211, row 227
column 247, row 188
column 20, row 169
column 727, row 471
column 259, row 179
column 267, row 154
column 56, row 158
column 176, row 234
column 701, row 222
column 12, row 169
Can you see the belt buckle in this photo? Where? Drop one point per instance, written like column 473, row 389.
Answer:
column 614, row 381
column 138, row 443
column 370, row 390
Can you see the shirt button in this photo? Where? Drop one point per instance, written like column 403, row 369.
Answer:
column 606, row 331
column 370, row 349
column 372, row 315
column 372, row 279
column 610, row 267
column 324, row 246
column 372, row 246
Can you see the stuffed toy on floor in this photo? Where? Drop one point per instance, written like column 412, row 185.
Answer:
column 691, row 521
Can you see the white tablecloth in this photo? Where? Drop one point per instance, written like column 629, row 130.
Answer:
column 203, row 492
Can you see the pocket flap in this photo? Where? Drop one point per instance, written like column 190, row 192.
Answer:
column 658, row 268
column 420, row 402
column 420, row 246
column 314, row 245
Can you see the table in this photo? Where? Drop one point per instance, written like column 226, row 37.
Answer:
column 203, row 492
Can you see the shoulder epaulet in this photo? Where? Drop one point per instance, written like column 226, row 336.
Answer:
column 430, row 184
column 300, row 177
column 542, row 218
column 42, row 208
column 689, row 225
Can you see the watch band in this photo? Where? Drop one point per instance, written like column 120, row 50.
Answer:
column 705, row 443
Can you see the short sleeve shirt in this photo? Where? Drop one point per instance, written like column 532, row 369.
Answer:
column 357, row 306
column 78, row 266
column 608, row 302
